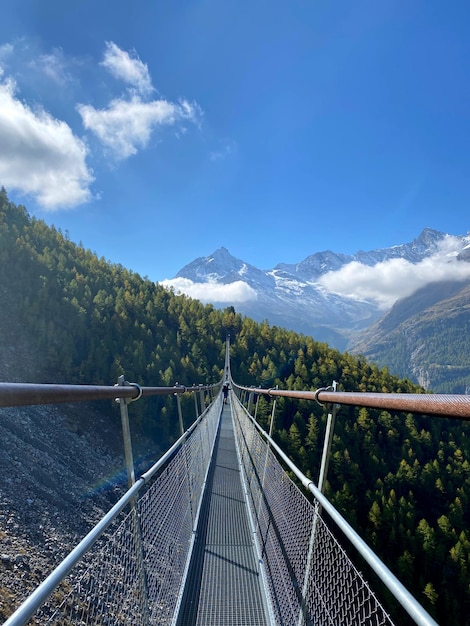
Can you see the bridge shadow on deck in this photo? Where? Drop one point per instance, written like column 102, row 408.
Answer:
column 223, row 585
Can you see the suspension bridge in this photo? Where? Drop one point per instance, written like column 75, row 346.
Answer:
column 224, row 529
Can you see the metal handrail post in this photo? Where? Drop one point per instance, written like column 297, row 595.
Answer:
column 138, row 547
column 126, row 433
column 250, row 402
column 185, row 453
column 272, row 415
column 203, row 400
column 195, row 405
column 271, row 426
column 330, row 425
column 256, row 406
column 180, row 414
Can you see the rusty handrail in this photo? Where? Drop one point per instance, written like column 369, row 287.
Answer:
column 445, row 405
column 27, row 394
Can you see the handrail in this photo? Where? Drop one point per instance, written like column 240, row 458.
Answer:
column 445, row 405
column 27, row 394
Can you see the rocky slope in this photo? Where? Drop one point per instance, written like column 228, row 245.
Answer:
column 53, row 461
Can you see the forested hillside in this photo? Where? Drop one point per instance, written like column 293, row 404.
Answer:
column 402, row 481
column 425, row 337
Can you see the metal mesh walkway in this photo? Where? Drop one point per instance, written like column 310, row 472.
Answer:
column 223, row 584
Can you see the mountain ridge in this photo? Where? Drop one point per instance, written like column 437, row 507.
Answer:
column 294, row 296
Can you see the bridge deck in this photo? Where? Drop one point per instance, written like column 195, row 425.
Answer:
column 223, row 587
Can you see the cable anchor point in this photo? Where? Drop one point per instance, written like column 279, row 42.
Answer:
column 318, row 391
column 125, row 383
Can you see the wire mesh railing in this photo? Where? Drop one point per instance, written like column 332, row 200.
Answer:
column 130, row 568
column 310, row 578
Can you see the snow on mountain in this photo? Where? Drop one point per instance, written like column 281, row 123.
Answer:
column 222, row 267
column 320, row 263
column 464, row 254
column 300, row 296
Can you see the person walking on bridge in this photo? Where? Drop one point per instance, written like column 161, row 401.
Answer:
column 225, row 392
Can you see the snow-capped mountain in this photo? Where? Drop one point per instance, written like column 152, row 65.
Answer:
column 295, row 296
column 320, row 263
column 284, row 298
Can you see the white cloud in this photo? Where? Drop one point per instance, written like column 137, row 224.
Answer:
column 214, row 293
column 226, row 149
column 388, row 281
column 40, row 155
column 29, row 65
column 54, row 66
column 129, row 69
column 126, row 125
column 6, row 50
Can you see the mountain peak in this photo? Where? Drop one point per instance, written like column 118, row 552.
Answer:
column 213, row 267
column 220, row 254
column 429, row 236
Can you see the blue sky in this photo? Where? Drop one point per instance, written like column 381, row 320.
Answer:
column 156, row 132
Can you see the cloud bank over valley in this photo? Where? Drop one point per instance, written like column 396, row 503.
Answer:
column 389, row 281
column 211, row 292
